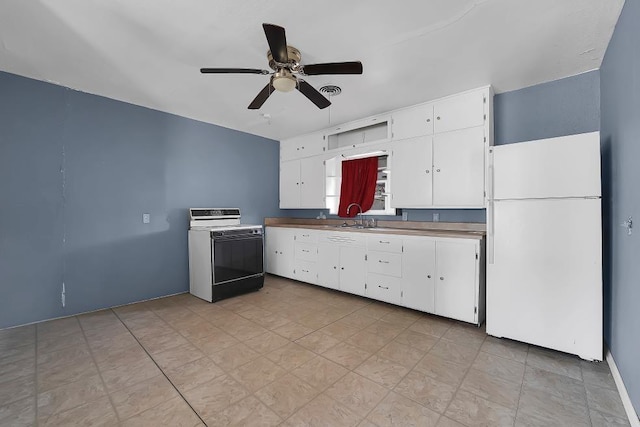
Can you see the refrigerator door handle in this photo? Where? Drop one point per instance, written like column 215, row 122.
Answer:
column 490, row 232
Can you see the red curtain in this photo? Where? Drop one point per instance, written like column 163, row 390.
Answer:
column 358, row 185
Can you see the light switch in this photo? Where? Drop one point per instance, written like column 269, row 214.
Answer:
column 146, row 218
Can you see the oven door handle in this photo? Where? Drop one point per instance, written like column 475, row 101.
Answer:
column 228, row 238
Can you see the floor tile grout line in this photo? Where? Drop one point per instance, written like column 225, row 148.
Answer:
column 522, row 384
column 586, row 395
column 161, row 370
column 468, row 369
column 93, row 358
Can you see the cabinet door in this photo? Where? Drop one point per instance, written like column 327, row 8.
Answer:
column 458, row 168
column 329, row 266
column 419, row 274
column 456, row 285
column 279, row 251
column 352, row 270
column 459, row 112
column 290, row 184
column 412, row 122
column 411, row 176
column 302, row 146
column 312, row 179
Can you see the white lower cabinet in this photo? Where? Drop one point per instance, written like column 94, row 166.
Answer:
column 442, row 276
column 305, row 266
column 279, row 251
column 328, row 266
column 341, row 261
column 457, row 268
column 352, row 270
column 432, row 274
column 418, row 274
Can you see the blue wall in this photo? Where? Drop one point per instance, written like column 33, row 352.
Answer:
column 620, row 73
column 77, row 172
column 558, row 108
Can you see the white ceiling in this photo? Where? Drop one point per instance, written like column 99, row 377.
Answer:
column 149, row 52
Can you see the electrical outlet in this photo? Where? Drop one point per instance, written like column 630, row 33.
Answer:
column 146, row 218
column 436, row 217
column 405, row 216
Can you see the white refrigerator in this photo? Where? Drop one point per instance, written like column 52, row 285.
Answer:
column 544, row 244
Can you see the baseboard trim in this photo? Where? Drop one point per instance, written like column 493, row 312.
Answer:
column 626, row 400
column 93, row 311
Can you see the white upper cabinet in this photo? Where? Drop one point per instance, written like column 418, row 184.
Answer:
column 437, row 154
column 301, row 146
column 312, row 181
column 411, row 176
column 459, row 112
column 458, row 168
column 412, row 122
column 302, row 183
column 290, row 184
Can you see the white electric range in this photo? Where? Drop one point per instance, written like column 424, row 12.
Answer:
column 225, row 256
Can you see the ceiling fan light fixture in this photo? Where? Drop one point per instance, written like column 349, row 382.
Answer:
column 284, row 81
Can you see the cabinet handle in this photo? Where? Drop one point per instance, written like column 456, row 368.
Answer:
column 305, row 235
column 438, row 118
column 305, row 271
column 297, row 183
column 441, row 278
column 303, row 147
column 341, row 268
column 382, row 241
column 426, row 171
column 334, row 267
column 305, row 250
column 383, row 287
column 437, row 170
column 428, row 276
column 303, row 182
column 428, row 120
column 383, row 262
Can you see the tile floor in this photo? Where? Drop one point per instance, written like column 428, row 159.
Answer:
column 293, row 355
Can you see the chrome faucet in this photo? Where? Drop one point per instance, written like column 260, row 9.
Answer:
column 359, row 213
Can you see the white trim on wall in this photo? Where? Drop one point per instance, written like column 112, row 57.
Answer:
column 626, row 400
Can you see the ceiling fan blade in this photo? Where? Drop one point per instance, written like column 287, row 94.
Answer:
column 232, row 70
column 262, row 97
column 277, row 42
column 313, row 95
column 352, row 67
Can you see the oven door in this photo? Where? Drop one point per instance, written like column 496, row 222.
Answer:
column 236, row 257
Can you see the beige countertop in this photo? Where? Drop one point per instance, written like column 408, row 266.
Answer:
column 405, row 228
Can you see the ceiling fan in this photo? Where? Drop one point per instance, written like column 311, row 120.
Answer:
column 284, row 60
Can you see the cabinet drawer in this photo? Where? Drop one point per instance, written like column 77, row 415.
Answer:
column 383, row 288
column 385, row 243
column 306, row 252
column 384, row 263
column 306, row 236
column 306, row 271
